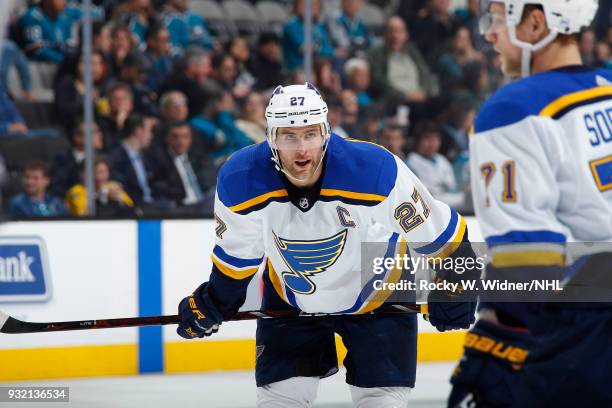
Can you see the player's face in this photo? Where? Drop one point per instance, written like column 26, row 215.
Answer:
column 496, row 32
column 300, row 150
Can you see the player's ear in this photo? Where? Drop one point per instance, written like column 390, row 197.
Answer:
column 534, row 26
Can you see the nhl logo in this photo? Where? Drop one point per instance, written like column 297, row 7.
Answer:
column 304, row 203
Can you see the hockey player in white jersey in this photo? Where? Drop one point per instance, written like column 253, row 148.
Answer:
column 306, row 201
column 541, row 164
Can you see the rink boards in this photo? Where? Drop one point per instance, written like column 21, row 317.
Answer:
column 77, row 270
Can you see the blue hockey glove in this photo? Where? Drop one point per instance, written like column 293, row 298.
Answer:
column 199, row 315
column 449, row 311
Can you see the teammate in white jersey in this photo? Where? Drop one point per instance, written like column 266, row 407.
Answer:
column 306, row 201
column 541, row 163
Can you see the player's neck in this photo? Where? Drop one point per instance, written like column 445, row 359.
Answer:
column 555, row 56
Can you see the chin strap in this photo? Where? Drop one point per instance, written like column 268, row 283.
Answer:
column 527, row 49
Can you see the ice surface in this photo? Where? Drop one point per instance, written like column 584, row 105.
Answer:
column 220, row 390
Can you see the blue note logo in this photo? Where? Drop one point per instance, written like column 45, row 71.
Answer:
column 307, row 258
column 24, row 270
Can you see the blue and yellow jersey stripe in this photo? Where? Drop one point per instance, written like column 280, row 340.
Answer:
column 260, row 201
column 448, row 241
column 527, row 248
column 561, row 106
column 235, row 268
column 351, row 197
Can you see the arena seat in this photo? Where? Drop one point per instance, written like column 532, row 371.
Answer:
column 244, row 17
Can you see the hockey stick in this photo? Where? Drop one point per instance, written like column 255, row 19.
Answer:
column 10, row 325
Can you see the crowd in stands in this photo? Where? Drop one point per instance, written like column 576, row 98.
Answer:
column 177, row 89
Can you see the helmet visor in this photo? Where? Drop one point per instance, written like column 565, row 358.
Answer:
column 312, row 139
column 492, row 23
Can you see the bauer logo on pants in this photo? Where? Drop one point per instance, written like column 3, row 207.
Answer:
column 24, row 270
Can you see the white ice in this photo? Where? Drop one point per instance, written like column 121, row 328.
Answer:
column 219, row 390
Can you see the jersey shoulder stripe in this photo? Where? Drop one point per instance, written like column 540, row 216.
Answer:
column 561, row 106
column 248, row 181
column 552, row 94
column 357, row 172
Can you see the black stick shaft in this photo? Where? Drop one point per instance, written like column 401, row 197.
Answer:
column 14, row 326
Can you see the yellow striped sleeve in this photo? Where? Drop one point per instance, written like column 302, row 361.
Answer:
column 232, row 272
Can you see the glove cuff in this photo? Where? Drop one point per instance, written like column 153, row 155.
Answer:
column 202, row 296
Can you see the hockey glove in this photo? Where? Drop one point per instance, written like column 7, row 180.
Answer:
column 450, row 311
column 199, row 315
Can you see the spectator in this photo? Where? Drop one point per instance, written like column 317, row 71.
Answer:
column 334, row 116
column 121, row 105
column 347, row 32
column 122, row 44
column 239, row 50
column 137, row 15
column 111, row 199
column 357, row 73
column 433, row 28
column 225, row 74
column 130, row 166
column 185, row 175
column 253, row 122
column 192, row 78
column 11, row 121
column 11, row 55
column 433, row 169
column 34, row 201
column 173, row 105
column 158, row 55
column 399, row 71
column 65, row 166
column 372, row 123
column 135, row 71
column 325, row 78
column 392, row 139
column 468, row 17
column 266, row 66
column 450, row 65
column 70, row 88
column 186, row 27
column 350, row 112
column 455, row 123
column 218, row 129
column 102, row 38
column 293, row 36
column 172, row 108
column 47, row 31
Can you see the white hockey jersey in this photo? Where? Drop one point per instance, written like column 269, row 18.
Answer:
column 541, row 163
column 314, row 252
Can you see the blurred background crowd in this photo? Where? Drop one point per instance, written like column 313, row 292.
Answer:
column 180, row 85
